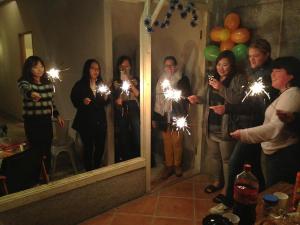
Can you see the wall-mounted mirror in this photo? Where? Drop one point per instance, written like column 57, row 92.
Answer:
column 65, row 41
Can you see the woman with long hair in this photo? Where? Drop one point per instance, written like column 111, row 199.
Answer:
column 38, row 109
column 90, row 120
column 126, row 111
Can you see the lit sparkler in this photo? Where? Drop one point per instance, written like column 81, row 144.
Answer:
column 172, row 94
column 256, row 88
column 103, row 89
column 53, row 74
column 125, row 87
column 181, row 124
column 165, row 85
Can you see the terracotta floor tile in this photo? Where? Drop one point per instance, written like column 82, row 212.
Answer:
column 169, row 221
column 103, row 219
column 175, row 207
column 199, row 192
column 201, row 179
column 182, row 189
column 202, row 206
column 145, row 205
column 130, row 219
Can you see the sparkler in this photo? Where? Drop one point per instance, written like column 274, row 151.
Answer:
column 181, row 124
column 53, row 74
column 169, row 92
column 103, row 89
column 125, row 87
column 256, row 88
column 165, row 85
column 172, row 94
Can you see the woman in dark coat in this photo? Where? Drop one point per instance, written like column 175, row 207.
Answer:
column 90, row 120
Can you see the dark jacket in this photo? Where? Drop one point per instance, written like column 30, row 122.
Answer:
column 179, row 108
column 252, row 110
column 87, row 116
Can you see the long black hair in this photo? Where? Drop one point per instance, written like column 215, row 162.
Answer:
column 86, row 71
column 121, row 59
column 29, row 63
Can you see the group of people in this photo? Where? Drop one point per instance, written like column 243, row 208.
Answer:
column 260, row 130
column 90, row 121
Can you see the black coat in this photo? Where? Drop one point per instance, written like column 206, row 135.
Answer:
column 90, row 115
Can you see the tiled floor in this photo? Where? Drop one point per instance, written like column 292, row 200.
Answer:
column 183, row 203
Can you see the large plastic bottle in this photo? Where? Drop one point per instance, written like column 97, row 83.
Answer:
column 245, row 196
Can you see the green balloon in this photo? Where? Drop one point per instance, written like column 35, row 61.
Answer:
column 211, row 52
column 240, row 51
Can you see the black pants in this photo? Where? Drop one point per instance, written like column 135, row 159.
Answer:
column 93, row 140
column 39, row 133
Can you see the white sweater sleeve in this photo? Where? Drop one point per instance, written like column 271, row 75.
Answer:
column 272, row 126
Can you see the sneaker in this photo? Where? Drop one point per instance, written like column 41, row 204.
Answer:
column 219, row 209
column 168, row 171
column 178, row 171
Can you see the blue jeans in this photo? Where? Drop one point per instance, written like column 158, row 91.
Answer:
column 282, row 165
column 244, row 153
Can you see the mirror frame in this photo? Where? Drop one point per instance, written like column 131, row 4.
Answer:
column 45, row 191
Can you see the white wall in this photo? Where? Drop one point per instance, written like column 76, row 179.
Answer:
column 65, row 34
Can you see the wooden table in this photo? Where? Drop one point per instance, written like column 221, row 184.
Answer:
column 279, row 187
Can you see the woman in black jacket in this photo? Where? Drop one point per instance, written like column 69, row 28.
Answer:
column 90, row 120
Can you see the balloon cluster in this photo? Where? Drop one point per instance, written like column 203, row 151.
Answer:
column 173, row 5
column 230, row 37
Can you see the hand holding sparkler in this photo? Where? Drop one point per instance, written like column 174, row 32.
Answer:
column 236, row 134
column 87, row 101
column 35, row 96
column 181, row 124
column 193, row 99
column 215, row 83
column 170, row 93
column 256, row 88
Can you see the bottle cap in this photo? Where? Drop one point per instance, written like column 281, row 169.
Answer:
column 247, row 167
column 269, row 198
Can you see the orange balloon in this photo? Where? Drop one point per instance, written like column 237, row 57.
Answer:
column 215, row 34
column 232, row 21
column 224, row 34
column 226, row 45
column 240, row 35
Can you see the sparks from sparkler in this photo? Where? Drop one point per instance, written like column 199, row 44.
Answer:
column 125, row 87
column 53, row 74
column 103, row 89
column 256, row 88
column 181, row 124
column 170, row 93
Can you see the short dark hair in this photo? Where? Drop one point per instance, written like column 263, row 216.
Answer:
column 172, row 58
column 262, row 45
column 292, row 66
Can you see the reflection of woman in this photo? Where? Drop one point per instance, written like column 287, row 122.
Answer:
column 126, row 111
column 90, row 119
column 224, row 88
column 38, row 109
column 280, row 146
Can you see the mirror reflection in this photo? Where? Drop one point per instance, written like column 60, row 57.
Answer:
column 74, row 102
